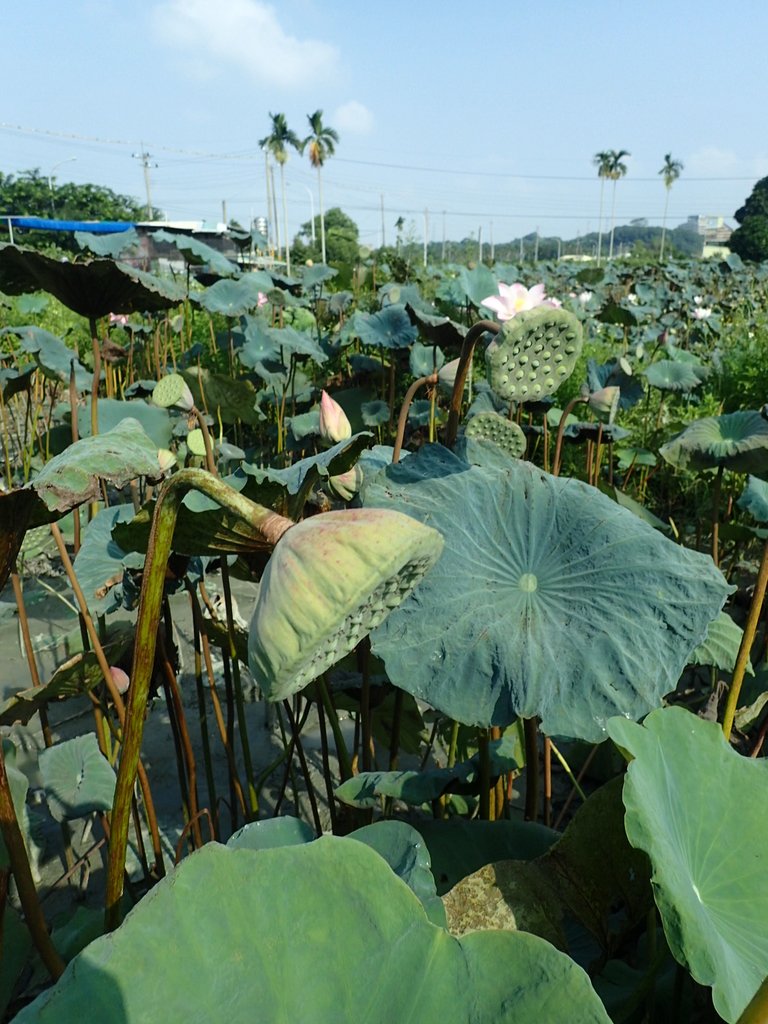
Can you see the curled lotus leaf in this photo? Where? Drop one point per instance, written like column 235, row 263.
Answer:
column 735, row 440
column 697, row 808
column 550, row 600
column 329, row 582
column 533, row 353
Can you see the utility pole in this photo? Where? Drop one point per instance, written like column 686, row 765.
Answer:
column 426, row 234
column 493, row 248
column 383, row 232
column 536, row 246
column 224, row 212
column 442, row 254
column 146, row 163
column 522, row 250
column 480, row 244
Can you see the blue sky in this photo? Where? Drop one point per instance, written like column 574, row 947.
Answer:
column 486, row 114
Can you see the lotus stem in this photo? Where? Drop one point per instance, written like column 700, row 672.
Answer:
column 531, row 727
column 296, row 734
column 202, row 713
column 403, row 418
column 716, row 492
column 561, row 431
column 757, row 1008
column 272, row 527
column 747, row 639
column 467, row 351
column 345, row 762
column 484, row 756
column 17, row 854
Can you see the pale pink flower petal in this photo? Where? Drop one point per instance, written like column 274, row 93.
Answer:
column 334, row 425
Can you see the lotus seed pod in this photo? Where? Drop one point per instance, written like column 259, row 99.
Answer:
column 504, row 433
column 196, row 442
column 334, row 425
column 329, row 582
column 173, row 390
column 533, row 354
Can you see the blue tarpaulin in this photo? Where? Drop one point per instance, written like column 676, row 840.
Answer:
column 95, row 227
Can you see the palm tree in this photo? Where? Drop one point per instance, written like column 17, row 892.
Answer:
column 671, row 172
column 602, row 161
column 321, row 144
column 617, row 170
column 276, row 144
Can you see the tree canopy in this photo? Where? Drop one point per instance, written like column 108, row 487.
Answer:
column 341, row 239
column 750, row 240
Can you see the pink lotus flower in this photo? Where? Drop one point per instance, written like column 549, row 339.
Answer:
column 263, row 300
column 118, row 319
column 702, row 313
column 334, row 425
column 514, row 298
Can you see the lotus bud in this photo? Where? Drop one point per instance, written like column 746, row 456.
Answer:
column 166, row 459
column 625, row 366
column 120, row 679
column 605, row 401
column 330, row 580
column 346, row 485
column 173, row 390
column 334, row 425
column 446, row 375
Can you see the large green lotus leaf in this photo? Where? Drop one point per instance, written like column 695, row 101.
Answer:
column 721, row 645
column 74, row 677
column 118, row 456
column 100, row 561
column 425, row 359
column 366, row 789
column 330, row 913
column 668, row 375
column 156, row 422
column 92, row 289
column 735, row 440
column 77, row 778
column 223, row 396
column 697, row 808
column 438, row 330
column 113, row 244
column 234, row 297
column 389, row 328
column 197, row 253
column 404, row 850
column 330, row 580
column 316, row 275
column 550, row 600
column 271, row 833
column 478, row 284
column 590, row 875
column 53, row 357
column 754, row 499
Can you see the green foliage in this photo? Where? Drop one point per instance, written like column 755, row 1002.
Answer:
column 750, row 240
column 341, row 239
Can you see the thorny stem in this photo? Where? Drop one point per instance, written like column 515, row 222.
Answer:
column 747, row 639
column 465, row 359
column 272, row 526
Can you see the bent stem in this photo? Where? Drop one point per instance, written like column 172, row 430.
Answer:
column 561, row 431
column 272, row 526
column 465, row 361
column 403, row 418
column 747, row 639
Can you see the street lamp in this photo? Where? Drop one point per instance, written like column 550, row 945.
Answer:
column 68, row 160
column 311, row 204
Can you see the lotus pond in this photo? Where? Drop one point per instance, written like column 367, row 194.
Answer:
column 439, row 593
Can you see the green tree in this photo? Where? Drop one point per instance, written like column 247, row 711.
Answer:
column 320, row 143
column 31, row 194
column 342, row 239
column 617, row 169
column 750, row 240
column 670, row 172
column 276, row 144
column 602, row 161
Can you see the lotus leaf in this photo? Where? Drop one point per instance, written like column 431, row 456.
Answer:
column 389, row 328
column 754, row 499
column 613, row 314
column 197, row 252
column 271, row 833
column 438, row 330
column 668, row 375
column 17, row 944
column 346, row 908
column 550, row 600
column 100, row 561
column 77, row 777
column 697, row 808
column 735, row 440
column 317, row 274
column 614, row 374
column 721, row 645
column 360, row 564
column 533, row 354
column 112, row 413
column 235, row 296
column 375, row 413
column 425, row 359
column 53, row 357
column 420, row 412
column 113, row 244
column 477, row 284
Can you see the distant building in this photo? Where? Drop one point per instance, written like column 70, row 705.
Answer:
column 713, row 229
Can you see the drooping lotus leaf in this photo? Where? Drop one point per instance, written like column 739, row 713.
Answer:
column 550, row 600
column 439, row 330
column 14, row 382
column 265, row 344
column 613, row 374
column 314, row 912
column 77, row 778
column 533, row 353
column 735, row 440
column 91, row 289
column 389, row 328
column 100, row 561
column 754, row 499
column 721, row 645
column 503, row 432
column 234, row 297
column 53, row 357
column 155, row 422
column 197, row 253
column 697, row 808
column 424, row 360
column 669, row 375
column 329, row 582
column 113, row 244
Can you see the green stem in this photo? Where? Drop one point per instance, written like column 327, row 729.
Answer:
column 465, row 359
column 531, row 769
column 757, row 1009
column 345, row 762
column 747, row 639
column 716, row 491
column 272, row 526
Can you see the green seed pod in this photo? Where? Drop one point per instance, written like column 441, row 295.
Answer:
column 173, row 390
column 329, row 582
column 533, row 354
column 504, row 433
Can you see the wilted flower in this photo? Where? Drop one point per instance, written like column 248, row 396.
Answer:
column 446, row 375
column 605, row 401
column 702, row 313
column 334, row 425
column 584, row 297
column 166, row 459
column 346, row 485
column 120, row 679
column 514, row 298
